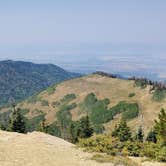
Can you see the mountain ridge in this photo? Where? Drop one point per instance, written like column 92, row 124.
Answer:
column 20, row 79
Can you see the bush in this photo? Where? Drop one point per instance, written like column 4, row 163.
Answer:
column 96, row 109
column 44, row 103
column 134, row 148
column 34, row 99
column 150, row 150
column 131, row 95
column 69, row 97
column 142, row 83
column 158, row 95
column 101, row 143
column 33, row 124
column 55, row 104
column 122, row 106
column 161, row 154
column 131, row 113
column 50, row 90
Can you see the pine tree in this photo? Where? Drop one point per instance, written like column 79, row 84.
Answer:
column 73, row 130
column 122, row 131
column 151, row 137
column 43, row 127
column 140, row 135
column 84, row 130
column 160, row 127
column 17, row 123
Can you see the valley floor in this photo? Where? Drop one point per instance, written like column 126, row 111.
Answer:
column 36, row 149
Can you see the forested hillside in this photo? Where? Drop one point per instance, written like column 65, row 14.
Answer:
column 19, row 80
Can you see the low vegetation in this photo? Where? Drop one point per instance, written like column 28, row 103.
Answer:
column 131, row 95
column 124, row 143
column 157, row 89
column 118, row 160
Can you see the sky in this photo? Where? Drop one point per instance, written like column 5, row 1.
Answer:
column 86, row 35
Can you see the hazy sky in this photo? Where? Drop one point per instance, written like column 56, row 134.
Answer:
column 86, row 35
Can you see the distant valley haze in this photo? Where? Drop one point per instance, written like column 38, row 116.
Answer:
column 121, row 37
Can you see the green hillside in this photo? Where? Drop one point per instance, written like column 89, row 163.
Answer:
column 19, row 80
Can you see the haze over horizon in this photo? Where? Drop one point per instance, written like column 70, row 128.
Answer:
column 83, row 36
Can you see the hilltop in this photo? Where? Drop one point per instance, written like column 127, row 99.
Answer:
column 19, row 80
column 104, row 98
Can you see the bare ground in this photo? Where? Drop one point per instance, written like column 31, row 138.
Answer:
column 39, row 149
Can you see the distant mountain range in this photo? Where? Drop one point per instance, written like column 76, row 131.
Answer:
column 19, row 80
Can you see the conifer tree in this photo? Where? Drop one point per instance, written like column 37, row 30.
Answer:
column 84, row 130
column 140, row 135
column 151, row 136
column 43, row 127
column 17, row 123
column 122, row 131
column 160, row 127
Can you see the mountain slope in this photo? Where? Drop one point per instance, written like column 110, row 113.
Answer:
column 19, row 80
column 105, row 99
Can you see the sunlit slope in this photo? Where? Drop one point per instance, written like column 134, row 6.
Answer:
column 114, row 89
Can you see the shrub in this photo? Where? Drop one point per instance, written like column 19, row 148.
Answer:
column 33, row 124
column 134, row 148
column 131, row 95
column 69, row 97
column 54, row 130
column 122, row 106
column 161, row 154
column 44, row 103
column 55, row 104
column 34, row 99
column 142, row 83
column 101, row 143
column 131, row 113
column 158, row 95
column 50, row 90
column 150, row 150
column 96, row 109
column 24, row 111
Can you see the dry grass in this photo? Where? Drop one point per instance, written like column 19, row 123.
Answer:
column 124, row 161
column 114, row 89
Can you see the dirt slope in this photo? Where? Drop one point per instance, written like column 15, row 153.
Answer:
column 39, row 149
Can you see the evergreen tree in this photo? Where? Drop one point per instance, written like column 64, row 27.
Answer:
column 84, row 130
column 122, row 131
column 151, row 137
column 160, row 127
column 73, row 130
column 43, row 127
column 140, row 135
column 17, row 123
